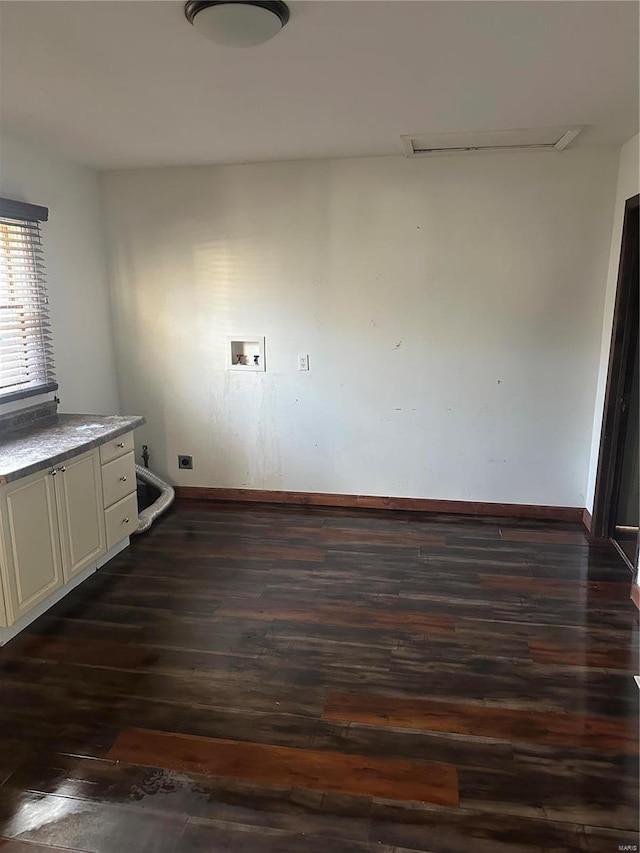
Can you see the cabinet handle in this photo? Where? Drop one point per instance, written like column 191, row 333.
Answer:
column 53, row 472
column 123, row 478
column 120, row 444
column 125, row 520
column 62, row 470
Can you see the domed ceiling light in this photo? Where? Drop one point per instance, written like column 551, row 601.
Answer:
column 237, row 23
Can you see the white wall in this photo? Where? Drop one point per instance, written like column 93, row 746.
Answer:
column 628, row 186
column 75, row 261
column 451, row 307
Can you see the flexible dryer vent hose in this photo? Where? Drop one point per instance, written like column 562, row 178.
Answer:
column 164, row 501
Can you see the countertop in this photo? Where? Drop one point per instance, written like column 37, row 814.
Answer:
column 57, row 438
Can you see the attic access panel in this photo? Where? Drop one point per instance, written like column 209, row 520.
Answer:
column 480, row 142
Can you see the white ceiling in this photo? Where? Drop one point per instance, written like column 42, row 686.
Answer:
column 118, row 84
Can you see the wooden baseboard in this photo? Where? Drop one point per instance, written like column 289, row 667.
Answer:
column 545, row 513
column 586, row 519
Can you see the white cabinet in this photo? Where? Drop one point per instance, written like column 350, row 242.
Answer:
column 56, row 526
column 31, row 557
column 80, row 513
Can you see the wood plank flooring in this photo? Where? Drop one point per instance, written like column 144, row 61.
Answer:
column 277, row 679
column 516, row 725
column 295, row 767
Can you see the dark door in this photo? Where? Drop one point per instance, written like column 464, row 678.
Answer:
column 626, row 509
column 616, row 511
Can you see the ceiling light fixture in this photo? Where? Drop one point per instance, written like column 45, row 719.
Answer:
column 237, row 23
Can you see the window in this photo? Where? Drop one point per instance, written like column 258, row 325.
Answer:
column 26, row 350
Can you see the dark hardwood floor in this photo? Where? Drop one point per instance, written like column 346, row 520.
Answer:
column 280, row 680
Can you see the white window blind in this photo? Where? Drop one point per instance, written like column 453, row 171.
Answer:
column 26, row 351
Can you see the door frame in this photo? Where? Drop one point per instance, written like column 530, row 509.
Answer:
column 625, row 326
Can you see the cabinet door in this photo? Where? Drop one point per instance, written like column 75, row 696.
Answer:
column 80, row 512
column 31, row 560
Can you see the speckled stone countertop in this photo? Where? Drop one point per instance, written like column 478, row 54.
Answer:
column 57, row 438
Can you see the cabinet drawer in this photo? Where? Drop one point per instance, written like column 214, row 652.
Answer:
column 116, row 447
column 121, row 519
column 118, row 479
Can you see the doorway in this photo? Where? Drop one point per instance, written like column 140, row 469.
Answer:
column 616, row 510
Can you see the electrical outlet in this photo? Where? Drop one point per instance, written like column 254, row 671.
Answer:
column 303, row 362
column 185, row 461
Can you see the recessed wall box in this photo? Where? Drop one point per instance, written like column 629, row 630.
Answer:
column 245, row 353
